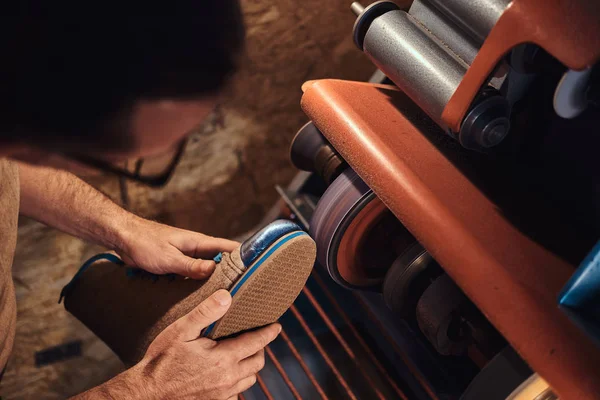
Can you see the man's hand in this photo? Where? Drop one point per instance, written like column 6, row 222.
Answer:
column 179, row 364
column 163, row 249
column 61, row 200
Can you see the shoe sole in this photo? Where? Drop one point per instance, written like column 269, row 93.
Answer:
column 268, row 287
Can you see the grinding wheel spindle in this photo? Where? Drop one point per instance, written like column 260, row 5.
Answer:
column 310, row 151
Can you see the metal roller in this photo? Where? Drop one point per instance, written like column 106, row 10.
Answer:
column 410, row 57
column 439, row 317
column 407, row 279
column 357, row 237
column 476, row 17
column 426, row 70
column 310, row 151
column 439, row 25
column 570, row 97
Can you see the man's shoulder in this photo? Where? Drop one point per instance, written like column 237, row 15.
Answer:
column 8, row 168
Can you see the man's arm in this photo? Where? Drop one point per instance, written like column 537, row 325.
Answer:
column 63, row 201
column 126, row 385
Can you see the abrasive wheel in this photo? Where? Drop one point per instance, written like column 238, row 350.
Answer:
column 357, row 237
column 408, row 277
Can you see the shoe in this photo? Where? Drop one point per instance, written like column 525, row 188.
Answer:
column 127, row 308
column 278, row 260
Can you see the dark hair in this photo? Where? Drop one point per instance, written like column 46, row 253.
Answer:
column 63, row 76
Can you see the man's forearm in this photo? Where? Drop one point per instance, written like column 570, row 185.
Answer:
column 127, row 385
column 63, row 201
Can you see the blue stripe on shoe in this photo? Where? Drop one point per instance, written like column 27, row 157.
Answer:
column 102, row 256
column 254, row 268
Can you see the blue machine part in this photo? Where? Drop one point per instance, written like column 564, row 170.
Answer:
column 580, row 298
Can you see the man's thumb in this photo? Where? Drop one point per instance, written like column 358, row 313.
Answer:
column 207, row 312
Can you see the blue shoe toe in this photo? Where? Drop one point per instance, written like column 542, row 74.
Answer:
column 253, row 247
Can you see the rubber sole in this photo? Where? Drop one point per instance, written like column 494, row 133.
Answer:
column 268, row 287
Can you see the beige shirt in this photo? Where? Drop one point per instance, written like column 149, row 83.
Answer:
column 9, row 214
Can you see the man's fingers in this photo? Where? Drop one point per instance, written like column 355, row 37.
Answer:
column 207, row 312
column 251, row 365
column 250, row 343
column 244, row 385
column 199, row 245
column 213, row 244
column 194, row 268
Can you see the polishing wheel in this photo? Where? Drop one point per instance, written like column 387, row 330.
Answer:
column 357, row 237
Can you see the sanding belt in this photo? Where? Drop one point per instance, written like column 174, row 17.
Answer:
column 127, row 308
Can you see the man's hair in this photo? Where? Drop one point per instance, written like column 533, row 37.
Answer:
column 63, row 76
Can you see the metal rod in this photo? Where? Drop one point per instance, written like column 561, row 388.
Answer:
column 307, row 370
column 357, row 8
column 264, row 387
column 407, row 361
column 316, row 343
column 340, row 339
column 283, row 374
column 357, row 336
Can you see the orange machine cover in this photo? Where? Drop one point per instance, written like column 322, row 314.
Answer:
column 512, row 279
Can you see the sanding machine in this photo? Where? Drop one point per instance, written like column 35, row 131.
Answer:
column 462, row 183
